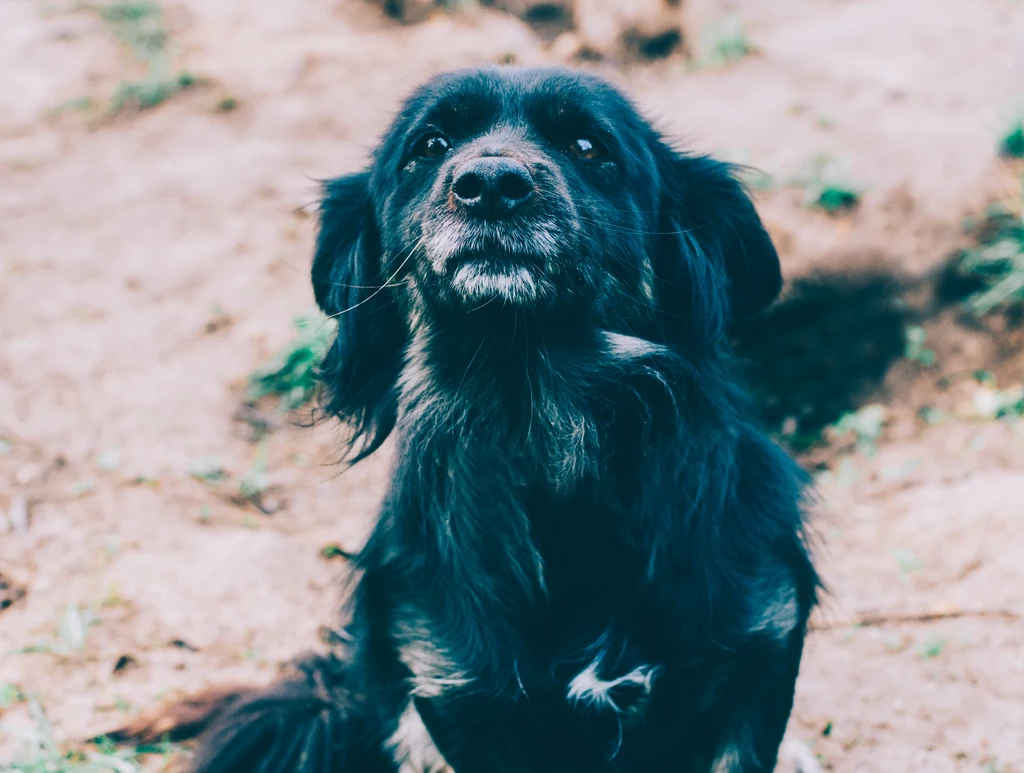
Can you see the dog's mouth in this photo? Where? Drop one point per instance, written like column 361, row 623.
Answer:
column 481, row 277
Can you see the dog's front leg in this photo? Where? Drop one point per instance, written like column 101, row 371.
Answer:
column 752, row 737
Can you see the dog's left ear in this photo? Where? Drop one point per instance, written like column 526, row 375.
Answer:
column 362, row 366
column 716, row 259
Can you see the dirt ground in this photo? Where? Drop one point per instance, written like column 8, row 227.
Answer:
column 149, row 261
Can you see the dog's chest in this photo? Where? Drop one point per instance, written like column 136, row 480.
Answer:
column 575, row 647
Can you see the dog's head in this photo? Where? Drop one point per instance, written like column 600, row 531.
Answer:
column 539, row 194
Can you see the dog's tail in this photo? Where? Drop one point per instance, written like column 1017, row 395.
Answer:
column 307, row 724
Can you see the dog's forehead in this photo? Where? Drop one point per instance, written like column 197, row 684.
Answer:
column 481, row 96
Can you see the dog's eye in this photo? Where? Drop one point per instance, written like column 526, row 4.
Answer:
column 433, row 146
column 587, row 148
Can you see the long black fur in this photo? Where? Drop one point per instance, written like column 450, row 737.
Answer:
column 589, row 558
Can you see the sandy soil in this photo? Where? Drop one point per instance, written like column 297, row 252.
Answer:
column 148, row 262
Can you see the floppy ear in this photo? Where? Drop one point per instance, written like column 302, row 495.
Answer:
column 362, row 367
column 716, row 260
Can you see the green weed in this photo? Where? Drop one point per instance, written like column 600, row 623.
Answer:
column 724, row 42
column 915, row 349
column 291, row 374
column 1011, row 143
column 140, row 27
column 931, row 647
column 154, row 90
column 865, row 424
column 255, row 482
column 10, row 694
column 334, row 550
column 207, row 469
column 986, row 377
column 929, row 414
column 40, row 753
column 827, row 185
column 997, row 263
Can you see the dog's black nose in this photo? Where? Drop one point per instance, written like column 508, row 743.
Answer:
column 492, row 186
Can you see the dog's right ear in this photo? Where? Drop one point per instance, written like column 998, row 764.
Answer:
column 362, row 367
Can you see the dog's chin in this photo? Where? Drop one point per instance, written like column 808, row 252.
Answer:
column 491, row 281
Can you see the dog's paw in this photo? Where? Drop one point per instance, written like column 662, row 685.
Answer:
column 796, row 757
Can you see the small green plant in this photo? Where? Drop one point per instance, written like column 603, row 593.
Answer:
column 931, row 647
column 40, row 753
column 827, row 185
column 986, row 377
column 1011, row 143
column 10, row 694
column 929, row 414
column 915, row 349
column 138, row 25
column 292, row 373
column 140, row 28
column 255, row 482
column 208, row 469
column 154, row 90
column 724, row 42
column 997, row 263
column 865, row 424
column 334, row 550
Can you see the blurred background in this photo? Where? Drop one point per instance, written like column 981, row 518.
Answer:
column 167, row 520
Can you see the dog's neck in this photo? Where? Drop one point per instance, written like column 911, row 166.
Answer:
column 532, row 399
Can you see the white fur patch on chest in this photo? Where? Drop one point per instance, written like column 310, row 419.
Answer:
column 626, row 694
column 434, row 673
column 412, row 747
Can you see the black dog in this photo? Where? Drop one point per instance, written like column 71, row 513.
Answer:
column 588, row 559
